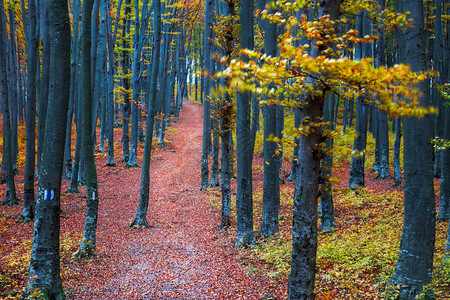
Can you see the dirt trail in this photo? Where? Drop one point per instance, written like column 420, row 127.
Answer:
column 182, row 255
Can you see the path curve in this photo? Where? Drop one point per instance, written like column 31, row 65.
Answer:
column 183, row 255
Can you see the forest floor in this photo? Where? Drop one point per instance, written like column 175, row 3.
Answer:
column 183, row 255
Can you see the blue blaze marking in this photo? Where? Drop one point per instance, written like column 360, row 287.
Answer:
column 48, row 194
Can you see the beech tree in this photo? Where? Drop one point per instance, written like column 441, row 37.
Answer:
column 415, row 260
column 44, row 273
column 7, row 159
column 140, row 219
column 87, row 246
column 271, row 188
column 206, row 141
column 30, row 163
column 318, row 74
column 244, row 200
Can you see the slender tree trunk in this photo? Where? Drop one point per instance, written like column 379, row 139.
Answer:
column 88, row 243
column 271, row 191
column 327, row 207
column 42, row 108
column 14, row 93
column 357, row 171
column 126, row 107
column 397, row 142
column 110, row 85
column 206, row 141
column 30, row 161
column 7, row 159
column 139, row 35
column 415, row 260
column 244, row 200
column 73, row 185
column 141, row 214
column 44, row 272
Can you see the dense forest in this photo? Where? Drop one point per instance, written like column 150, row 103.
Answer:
column 322, row 168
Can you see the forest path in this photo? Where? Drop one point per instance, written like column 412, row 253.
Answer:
column 183, row 255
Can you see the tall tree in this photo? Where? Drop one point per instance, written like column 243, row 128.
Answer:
column 244, row 200
column 139, row 35
column 87, row 246
column 382, row 126
column 226, row 9
column 44, row 272
column 126, row 107
column 30, row 119
column 141, row 214
column 7, row 159
column 444, row 191
column 304, row 229
column 356, row 178
column 415, row 260
column 206, row 140
column 271, row 191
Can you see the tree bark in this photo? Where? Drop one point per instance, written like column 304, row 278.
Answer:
column 7, row 159
column 244, row 200
column 206, row 140
column 88, row 243
column 30, row 113
column 271, row 185
column 304, row 230
column 140, row 219
column 44, row 272
column 415, row 260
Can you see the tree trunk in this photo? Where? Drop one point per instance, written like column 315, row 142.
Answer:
column 44, row 272
column 327, row 207
column 88, row 243
column 271, row 190
column 30, row 114
column 110, row 86
column 444, row 196
column 397, row 142
column 7, row 159
column 304, row 230
column 13, row 93
column 126, row 107
column 244, row 200
column 356, row 178
column 141, row 214
column 206, row 140
column 415, row 260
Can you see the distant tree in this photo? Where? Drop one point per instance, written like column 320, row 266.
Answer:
column 397, row 143
column 44, row 273
column 7, row 158
column 140, row 28
column 206, row 140
column 226, row 11
column 415, row 260
column 126, row 106
column 357, row 172
column 326, row 203
column 382, row 135
column 271, row 191
column 13, row 62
